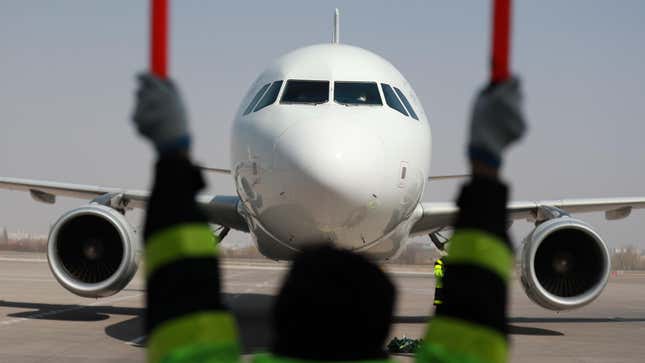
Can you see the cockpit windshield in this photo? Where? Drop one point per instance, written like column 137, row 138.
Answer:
column 309, row 92
column 392, row 100
column 407, row 104
column 256, row 98
column 357, row 93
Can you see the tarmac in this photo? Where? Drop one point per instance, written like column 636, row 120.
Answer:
column 42, row 322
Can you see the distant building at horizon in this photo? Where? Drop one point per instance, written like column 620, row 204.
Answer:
column 617, row 250
column 6, row 236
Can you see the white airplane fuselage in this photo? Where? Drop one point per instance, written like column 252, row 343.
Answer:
column 351, row 174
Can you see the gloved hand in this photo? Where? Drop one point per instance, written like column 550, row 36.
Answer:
column 497, row 121
column 160, row 115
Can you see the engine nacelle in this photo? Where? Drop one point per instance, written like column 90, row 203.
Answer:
column 565, row 264
column 93, row 251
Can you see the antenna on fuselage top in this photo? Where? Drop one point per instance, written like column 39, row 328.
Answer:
column 336, row 37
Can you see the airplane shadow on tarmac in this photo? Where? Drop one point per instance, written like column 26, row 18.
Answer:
column 253, row 315
column 127, row 330
column 130, row 330
column 252, row 312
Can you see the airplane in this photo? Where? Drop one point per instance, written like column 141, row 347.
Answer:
column 330, row 143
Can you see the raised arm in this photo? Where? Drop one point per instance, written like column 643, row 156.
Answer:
column 471, row 324
column 186, row 320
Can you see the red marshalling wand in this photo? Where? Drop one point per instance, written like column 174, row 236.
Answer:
column 159, row 38
column 501, row 41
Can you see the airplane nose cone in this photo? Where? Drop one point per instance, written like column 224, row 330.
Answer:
column 331, row 170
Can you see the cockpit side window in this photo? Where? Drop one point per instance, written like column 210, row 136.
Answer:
column 269, row 97
column 255, row 99
column 307, row 92
column 357, row 93
column 391, row 99
column 406, row 103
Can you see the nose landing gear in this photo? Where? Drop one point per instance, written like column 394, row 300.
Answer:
column 220, row 232
column 440, row 241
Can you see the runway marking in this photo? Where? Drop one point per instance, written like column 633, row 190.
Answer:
column 60, row 311
column 253, row 288
column 252, row 267
column 136, row 341
column 419, row 291
column 16, row 259
column 404, row 273
column 394, row 272
column 230, row 275
column 10, row 278
column 409, row 273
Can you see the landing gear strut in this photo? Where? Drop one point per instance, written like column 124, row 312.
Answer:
column 439, row 240
column 220, row 232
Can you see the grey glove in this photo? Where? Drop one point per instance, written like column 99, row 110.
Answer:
column 160, row 115
column 497, row 121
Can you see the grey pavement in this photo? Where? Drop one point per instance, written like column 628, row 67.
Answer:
column 42, row 322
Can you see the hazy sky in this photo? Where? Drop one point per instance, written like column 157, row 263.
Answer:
column 67, row 80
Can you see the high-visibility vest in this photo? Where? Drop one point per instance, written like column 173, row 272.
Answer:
column 438, row 274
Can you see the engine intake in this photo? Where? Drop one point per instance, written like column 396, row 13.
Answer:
column 93, row 251
column 565, row 264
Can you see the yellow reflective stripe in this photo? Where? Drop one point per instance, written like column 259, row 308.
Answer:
column 177, row 242
column 438, row 270
column 475, row 247
column 204, row 353
column 193, row 334
column 438, row 276
column 456, row 340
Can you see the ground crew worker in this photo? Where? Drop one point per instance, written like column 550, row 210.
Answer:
column 438, row 281
column 328, row 292
column 471, row 324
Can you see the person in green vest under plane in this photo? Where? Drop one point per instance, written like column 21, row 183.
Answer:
column 334, row 305
column 439, row 271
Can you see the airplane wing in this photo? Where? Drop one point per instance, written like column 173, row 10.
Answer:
column 47, row 191
column 435, row 216
column 220, row 209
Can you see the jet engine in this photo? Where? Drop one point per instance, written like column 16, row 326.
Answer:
column 93, row 251
column 564, row 264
